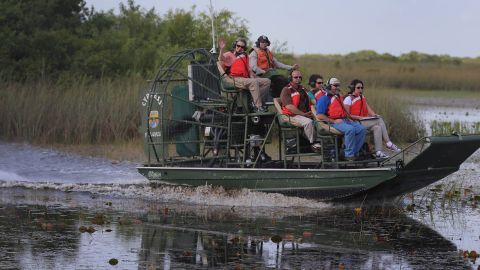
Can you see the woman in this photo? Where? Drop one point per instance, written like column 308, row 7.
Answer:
column 357, row 105
column 316, row 83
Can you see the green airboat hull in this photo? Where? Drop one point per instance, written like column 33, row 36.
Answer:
column 319, row 183
column 181, row 149
column 442, row 157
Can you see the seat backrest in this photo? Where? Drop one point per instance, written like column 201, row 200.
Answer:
column 326, row 127
column 281, row 116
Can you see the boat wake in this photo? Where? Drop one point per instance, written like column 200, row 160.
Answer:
column 27, row 167
column 203, row 195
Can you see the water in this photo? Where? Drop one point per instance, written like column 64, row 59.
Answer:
column 464, row 115
column 48, row 199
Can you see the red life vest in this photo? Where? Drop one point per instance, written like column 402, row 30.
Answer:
column 359, row 106
column 335, row 109
column 319, row 94
column 239, row 67
column 297, row 97
column 264, row 59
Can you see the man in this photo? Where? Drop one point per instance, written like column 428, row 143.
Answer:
column 330, row 109
column 296, row 104
column 265, row 65
column 262, row 61
column 236, row 65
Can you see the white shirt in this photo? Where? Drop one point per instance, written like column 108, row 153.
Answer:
column 348, row 101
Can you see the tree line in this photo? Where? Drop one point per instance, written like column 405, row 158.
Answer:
column 55, row 38
column 50, row 39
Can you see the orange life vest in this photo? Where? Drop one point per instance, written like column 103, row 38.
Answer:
column 264, row 59
column 297, row 97
column 335, row 109
column 239, row 67
column 359, row 106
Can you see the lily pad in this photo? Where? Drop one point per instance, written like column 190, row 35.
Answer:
column 113, row 261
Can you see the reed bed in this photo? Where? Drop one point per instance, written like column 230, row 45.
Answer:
column 447, row 128
column 82, row 111
column 426, row 76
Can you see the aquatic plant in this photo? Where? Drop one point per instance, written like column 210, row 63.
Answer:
column 447, row 128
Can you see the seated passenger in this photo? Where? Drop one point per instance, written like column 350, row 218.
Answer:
column 262, row 61
column 265, row 65
column 236, row 65
column 330, row 109
column 357, row 105
column 316, row 83
column 296, row 103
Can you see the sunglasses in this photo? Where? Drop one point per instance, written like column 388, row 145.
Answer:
column 336, row 85
column 240, row 46
column 319, row 82
column 359, row 87
column 297, row 77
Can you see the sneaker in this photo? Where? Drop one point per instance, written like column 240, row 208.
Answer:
column 351, row 158
column 260, row 110
column 264, row 157
column 380, row 154
column 393, row 147
column 317, row 147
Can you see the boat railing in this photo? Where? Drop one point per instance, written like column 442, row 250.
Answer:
column 412, row 150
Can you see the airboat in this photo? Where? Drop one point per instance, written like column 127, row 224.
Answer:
column 199, row 130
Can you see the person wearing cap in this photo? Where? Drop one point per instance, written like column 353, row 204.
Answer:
column 262, row 61
column 316, row 91
column 236, row 65
column 356, row 104
column 296, row 104
column 330, row 109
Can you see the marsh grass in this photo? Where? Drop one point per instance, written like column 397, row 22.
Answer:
column 81, row 111
column 447, row 128
column 390, row 74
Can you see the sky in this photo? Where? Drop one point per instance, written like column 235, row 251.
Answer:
column 344, row 26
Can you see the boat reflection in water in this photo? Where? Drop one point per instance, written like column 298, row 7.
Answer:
column 332, row 239
column 41, row 229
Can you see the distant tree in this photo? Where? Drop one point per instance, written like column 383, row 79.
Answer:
column 38, row 37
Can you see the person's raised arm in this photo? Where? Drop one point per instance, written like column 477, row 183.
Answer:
column 221, row 45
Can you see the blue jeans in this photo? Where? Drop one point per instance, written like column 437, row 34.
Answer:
column 354, row 136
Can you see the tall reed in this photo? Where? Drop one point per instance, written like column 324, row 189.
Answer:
column 81, row 111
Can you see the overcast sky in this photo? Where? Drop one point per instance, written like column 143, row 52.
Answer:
column 343, row 26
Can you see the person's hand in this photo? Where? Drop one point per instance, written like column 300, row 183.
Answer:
column 338, row 121
column 308, row 114
column 295, row 66
column 221, row 43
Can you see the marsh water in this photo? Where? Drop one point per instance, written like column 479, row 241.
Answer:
column 61, row 211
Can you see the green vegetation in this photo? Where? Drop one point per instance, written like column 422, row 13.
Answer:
column 406, row 71
column 447, row 128
column 73, row 75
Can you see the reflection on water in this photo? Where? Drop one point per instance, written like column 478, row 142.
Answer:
column 39, row 229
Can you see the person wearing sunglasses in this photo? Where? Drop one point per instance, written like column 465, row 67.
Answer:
column 296, row 104
column 316, row 91
column 235, row 64
column 356, row 104
column 330, row 109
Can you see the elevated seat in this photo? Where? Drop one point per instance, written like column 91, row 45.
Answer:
column 238, row 96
